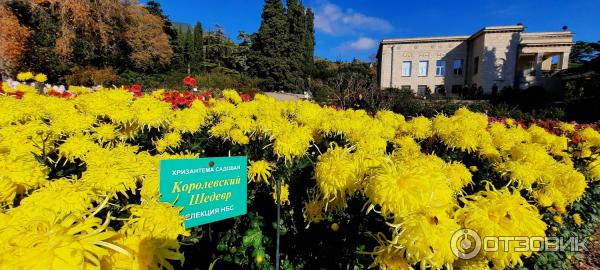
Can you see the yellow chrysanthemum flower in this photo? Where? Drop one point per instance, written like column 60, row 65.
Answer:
column 336, row 173
column 40, row 77
column 42, row 240
column 232, row 96
column 501, row 213
column 425, row 236
column 24, row 76
column 105, row 132
column 404, row 186
column 577, row 219
column 284, row 194
column 260, row 171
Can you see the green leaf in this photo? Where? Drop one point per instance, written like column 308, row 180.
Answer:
column 253, row 238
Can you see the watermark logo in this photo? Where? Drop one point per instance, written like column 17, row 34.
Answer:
column 467, row 243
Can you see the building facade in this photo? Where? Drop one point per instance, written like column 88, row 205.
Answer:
column 504, row 56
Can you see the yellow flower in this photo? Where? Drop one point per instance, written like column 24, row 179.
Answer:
column 404, row 186
column 151, row 112
column 292, row 143
column 232, row 96
column 567, row 127
column 116, row 170
column 24, row 76
column 558, row 219
column 260, row 171
column 19, row 174
column 577, row 219
column 594, row 168
column 41, row 239
column 425, row 235
column 63, row 197
column 190, row 119
column 105, row 132
column 76, row 147
column 150, row 236
column 457, row 175
column 283, row 195
column 501, row 213
column 40, row 77
column 336, row 173
column 170, row 140
column 464, row 130
column 313, row 211
column 388, row 257
column 420, row 127
column 477, row 263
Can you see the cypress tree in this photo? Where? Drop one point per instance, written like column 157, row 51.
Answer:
column 295, row 53
column 188, row 43
column 309, row 41
column 197, row 46
column 269, row 47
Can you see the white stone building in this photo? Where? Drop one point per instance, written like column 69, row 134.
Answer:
column 501, row 55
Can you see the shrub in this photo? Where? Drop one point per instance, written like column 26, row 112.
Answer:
column 91, row 76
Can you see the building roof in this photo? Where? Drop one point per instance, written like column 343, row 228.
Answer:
column 496, row 29
column 424, row 39
column 487, row 29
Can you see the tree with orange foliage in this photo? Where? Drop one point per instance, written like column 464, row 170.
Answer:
column 13, row 36
column 66, row 34
column 146, row 38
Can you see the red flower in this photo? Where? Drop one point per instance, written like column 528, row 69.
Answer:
column 245, row 97
column 188, row 80
column 18, row 94
column 136, row 88
column 576, row 139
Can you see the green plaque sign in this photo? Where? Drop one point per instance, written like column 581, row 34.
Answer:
column 208, row 189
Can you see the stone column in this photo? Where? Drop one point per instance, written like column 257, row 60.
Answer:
column 539, row 59
column 563, row 60
column 392, row 67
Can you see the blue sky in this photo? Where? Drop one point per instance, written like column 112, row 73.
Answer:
column 353, row 28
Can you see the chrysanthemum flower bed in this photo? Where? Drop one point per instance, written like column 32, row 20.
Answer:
column 79, row 183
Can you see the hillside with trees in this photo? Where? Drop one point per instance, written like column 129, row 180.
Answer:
column 118, row 42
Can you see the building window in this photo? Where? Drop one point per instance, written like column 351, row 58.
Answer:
column 423, row 66
column 405, row 88
column 458, row 67
column 440, row 68
column 440, row 90
column 476, row 65
column 406, row 66
column 456, row 88
column 423, row 90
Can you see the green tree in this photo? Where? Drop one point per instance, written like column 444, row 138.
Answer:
column 188, row 44
column 197, row 49
column 268, row 59
column 309, row 41
column 239, row 59
column 219, row 48
column 296, row 49
column 583, row 51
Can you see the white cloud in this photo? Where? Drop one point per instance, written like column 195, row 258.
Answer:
column 332, row 19
column 361, row 44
